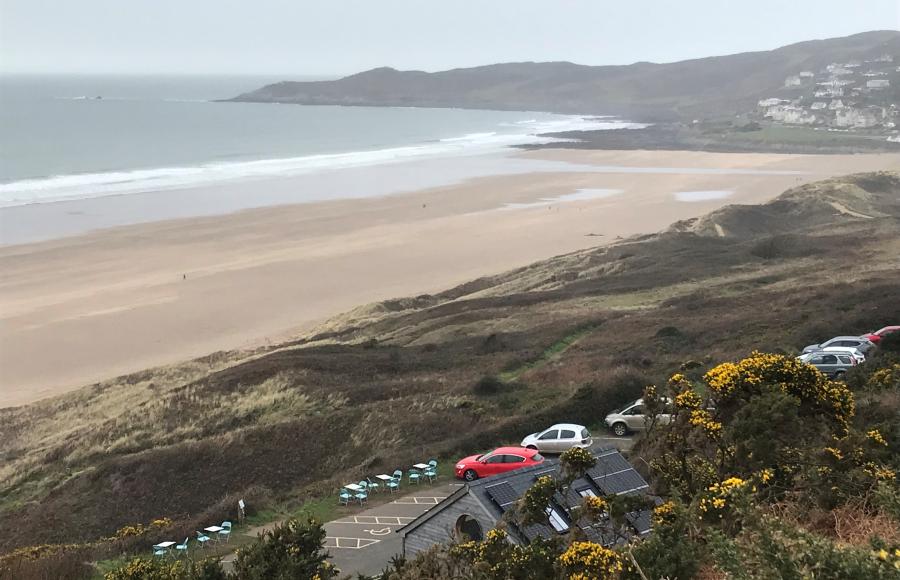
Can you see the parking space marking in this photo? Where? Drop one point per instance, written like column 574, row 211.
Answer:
column 376, row 520
column 341, row 543
column 419, row 500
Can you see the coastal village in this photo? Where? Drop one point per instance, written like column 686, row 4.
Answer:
column 854, row 95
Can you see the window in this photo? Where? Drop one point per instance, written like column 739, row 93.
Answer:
column 549, row 435
column 816, row 360
column 495, row 459
column 556, row 520
column 537, row 457
column 636, row 410
column 845, row 359
column 468, row 529
column 514, row 459
column 829, row 359
column 585, row 434
column 566, row 434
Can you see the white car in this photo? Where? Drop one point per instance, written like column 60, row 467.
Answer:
column 631, row 418
column 559, row 438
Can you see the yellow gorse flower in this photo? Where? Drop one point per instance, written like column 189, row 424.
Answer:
column 876, row 436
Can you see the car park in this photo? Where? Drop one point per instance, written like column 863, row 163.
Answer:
column 858, row 342
column 631, row 418
column 498, row 461
column 832, row 364
column 558, row 438
column 876, row 336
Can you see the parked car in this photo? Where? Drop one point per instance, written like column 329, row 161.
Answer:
column 558, row 438
column 631, row 418
column 833, row 364
column 875, row 337
column 499, row 460
column 854, row 352
column 858, row 342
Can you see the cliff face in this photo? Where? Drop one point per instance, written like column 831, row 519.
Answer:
column 642, row 91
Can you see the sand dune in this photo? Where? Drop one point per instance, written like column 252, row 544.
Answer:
column 87, row 308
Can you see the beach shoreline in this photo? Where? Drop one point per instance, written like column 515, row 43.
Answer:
column 98, row 304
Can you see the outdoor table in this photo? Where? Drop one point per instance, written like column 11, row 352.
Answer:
column 353, row 487
column 213, row 529
column 421, row 466
column 164, row 545
column 384, row 477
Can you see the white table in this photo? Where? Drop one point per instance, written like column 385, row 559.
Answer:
column 164, row 545
column 421, row 466
column 384, row 477
column 353, row 487
column 213, row 529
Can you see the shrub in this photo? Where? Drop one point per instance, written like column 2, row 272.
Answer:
column 150, row 569
column 890, row 343
column 294, row 549
column 488, row 385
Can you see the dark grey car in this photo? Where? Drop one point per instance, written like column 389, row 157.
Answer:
column 833, row 364
column 861, row 344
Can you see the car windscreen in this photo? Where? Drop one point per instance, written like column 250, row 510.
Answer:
column 537, row 457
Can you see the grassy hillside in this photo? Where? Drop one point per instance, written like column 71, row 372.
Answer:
column 720, row 85
column 402, row 380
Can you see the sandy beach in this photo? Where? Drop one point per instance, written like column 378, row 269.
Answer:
column 92, row 306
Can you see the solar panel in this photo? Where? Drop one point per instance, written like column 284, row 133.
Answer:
column 614, row 476
column 502, row 494
column 641, row 521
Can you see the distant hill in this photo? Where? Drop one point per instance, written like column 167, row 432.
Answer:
column 719, row 85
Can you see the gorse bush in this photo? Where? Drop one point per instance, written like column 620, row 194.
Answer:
column 294, row 549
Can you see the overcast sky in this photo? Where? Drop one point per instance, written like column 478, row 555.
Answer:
column 296, row 37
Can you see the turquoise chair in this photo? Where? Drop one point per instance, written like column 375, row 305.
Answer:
column 202, row 538
column 431, row 471
column 374, row 486
column 345, row 497
column 182, row 547
column 161, row 552
column 363, row 494
column 225, row 532
column 414, row 476
column 394, row 483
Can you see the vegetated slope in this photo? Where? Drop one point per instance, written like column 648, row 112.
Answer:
column 641, row 91
column 400, row 381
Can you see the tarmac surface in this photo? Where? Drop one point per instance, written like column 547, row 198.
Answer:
column 364, row 543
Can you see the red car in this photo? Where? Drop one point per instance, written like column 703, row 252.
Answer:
column 499, row 460
column 876, row 336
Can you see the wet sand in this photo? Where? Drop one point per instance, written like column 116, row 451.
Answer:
column 92, row 306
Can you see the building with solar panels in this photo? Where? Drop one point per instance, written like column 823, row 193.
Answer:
column 479, row 506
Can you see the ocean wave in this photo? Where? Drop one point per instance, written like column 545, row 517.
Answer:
column 91, row 185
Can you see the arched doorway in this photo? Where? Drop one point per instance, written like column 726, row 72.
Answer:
column 468, row 529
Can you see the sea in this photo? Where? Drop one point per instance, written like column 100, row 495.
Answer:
column 83, row 137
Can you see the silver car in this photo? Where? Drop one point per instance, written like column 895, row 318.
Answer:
column 861, row 344
column 631, row 418
column 559, row 438
column 833, row 364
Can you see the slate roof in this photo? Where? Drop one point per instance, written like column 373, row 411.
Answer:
column 612, row 475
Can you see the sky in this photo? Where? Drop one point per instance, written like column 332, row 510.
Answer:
column 333, row 37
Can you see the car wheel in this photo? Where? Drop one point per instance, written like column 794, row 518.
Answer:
column 839, row 376
column 470, row 475
column 531, row 447
column 620, row 429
